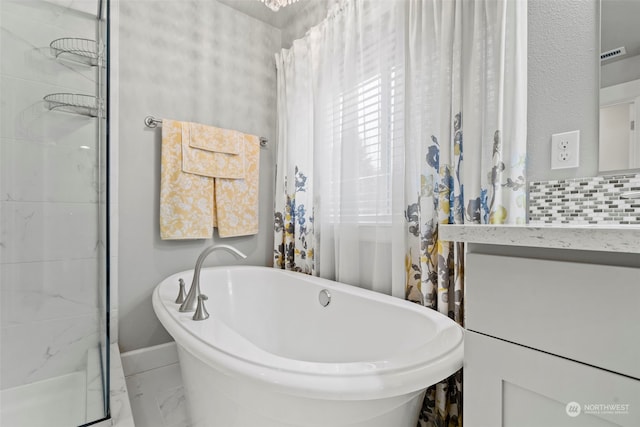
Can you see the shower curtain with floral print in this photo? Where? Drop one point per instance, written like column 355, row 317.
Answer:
column 458, row 71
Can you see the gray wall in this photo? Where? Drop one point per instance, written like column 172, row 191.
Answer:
column 563, row 83
column 199, row 61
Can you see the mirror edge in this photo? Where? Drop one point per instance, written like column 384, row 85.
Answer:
column 613, row 172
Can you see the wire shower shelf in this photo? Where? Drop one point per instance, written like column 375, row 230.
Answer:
column 85, row 105
column 84, row 51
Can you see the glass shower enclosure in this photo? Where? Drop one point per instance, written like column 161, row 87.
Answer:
column 54, row 222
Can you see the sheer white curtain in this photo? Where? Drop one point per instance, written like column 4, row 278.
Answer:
column 395, row 117
column 360, row 62
column 295, row 242
column 341, row 109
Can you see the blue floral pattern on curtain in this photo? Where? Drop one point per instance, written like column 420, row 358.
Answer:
column 434, row 276
column 294, row 230
column 435, row 272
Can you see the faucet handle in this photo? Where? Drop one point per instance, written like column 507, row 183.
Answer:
column 181, row 293
column 201, row 311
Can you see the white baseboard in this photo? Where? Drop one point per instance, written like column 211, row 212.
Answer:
column 146, row 359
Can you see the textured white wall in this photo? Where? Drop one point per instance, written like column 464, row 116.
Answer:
column 195, row 60
column 563, row 83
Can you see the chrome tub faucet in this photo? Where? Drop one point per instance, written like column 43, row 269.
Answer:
column 191, row 302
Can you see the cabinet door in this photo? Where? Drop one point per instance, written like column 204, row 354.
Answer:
column 584, row 312
column 509, row 385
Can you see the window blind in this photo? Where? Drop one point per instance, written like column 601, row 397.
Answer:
column 366, row 122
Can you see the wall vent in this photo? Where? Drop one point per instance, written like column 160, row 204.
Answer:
column 614, row 53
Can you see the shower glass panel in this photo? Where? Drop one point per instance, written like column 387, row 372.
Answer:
column 54, row 222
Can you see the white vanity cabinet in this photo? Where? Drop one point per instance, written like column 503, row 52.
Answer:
column 510, row 385
column 553, row 327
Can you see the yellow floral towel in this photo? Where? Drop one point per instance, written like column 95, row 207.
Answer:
column 186, row 200
column 209, row 163
column 237, row 199
column 191, row 204
column 211, row 138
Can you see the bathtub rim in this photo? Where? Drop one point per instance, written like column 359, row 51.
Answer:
column 327, row 380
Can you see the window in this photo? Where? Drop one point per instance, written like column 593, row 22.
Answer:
column 366, row 128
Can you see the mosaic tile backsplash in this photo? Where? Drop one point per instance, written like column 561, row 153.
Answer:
column 593, row 200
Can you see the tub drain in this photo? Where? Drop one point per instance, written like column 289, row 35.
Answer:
column 324, row 297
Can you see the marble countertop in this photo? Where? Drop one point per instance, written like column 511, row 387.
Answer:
column 614, row 238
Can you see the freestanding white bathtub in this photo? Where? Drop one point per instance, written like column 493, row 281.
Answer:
column 271, row 355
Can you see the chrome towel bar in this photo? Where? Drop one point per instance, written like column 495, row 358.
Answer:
column 152, row 122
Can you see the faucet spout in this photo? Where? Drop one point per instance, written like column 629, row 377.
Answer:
column 191, row 302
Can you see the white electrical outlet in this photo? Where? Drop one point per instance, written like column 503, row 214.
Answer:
column 565, row 150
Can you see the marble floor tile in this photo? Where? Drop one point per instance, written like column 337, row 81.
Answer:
column 120, row 406
column 157, row 398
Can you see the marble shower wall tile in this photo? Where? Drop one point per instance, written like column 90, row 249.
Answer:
column 55, row 13
column 36, row 231
column 27, row 43
column 40, row 291
column 48, row 172
column 48, row 197
column 25, row 116
column 37, row 351
column 113, row 300
column 89, row 7
column 94, row 388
